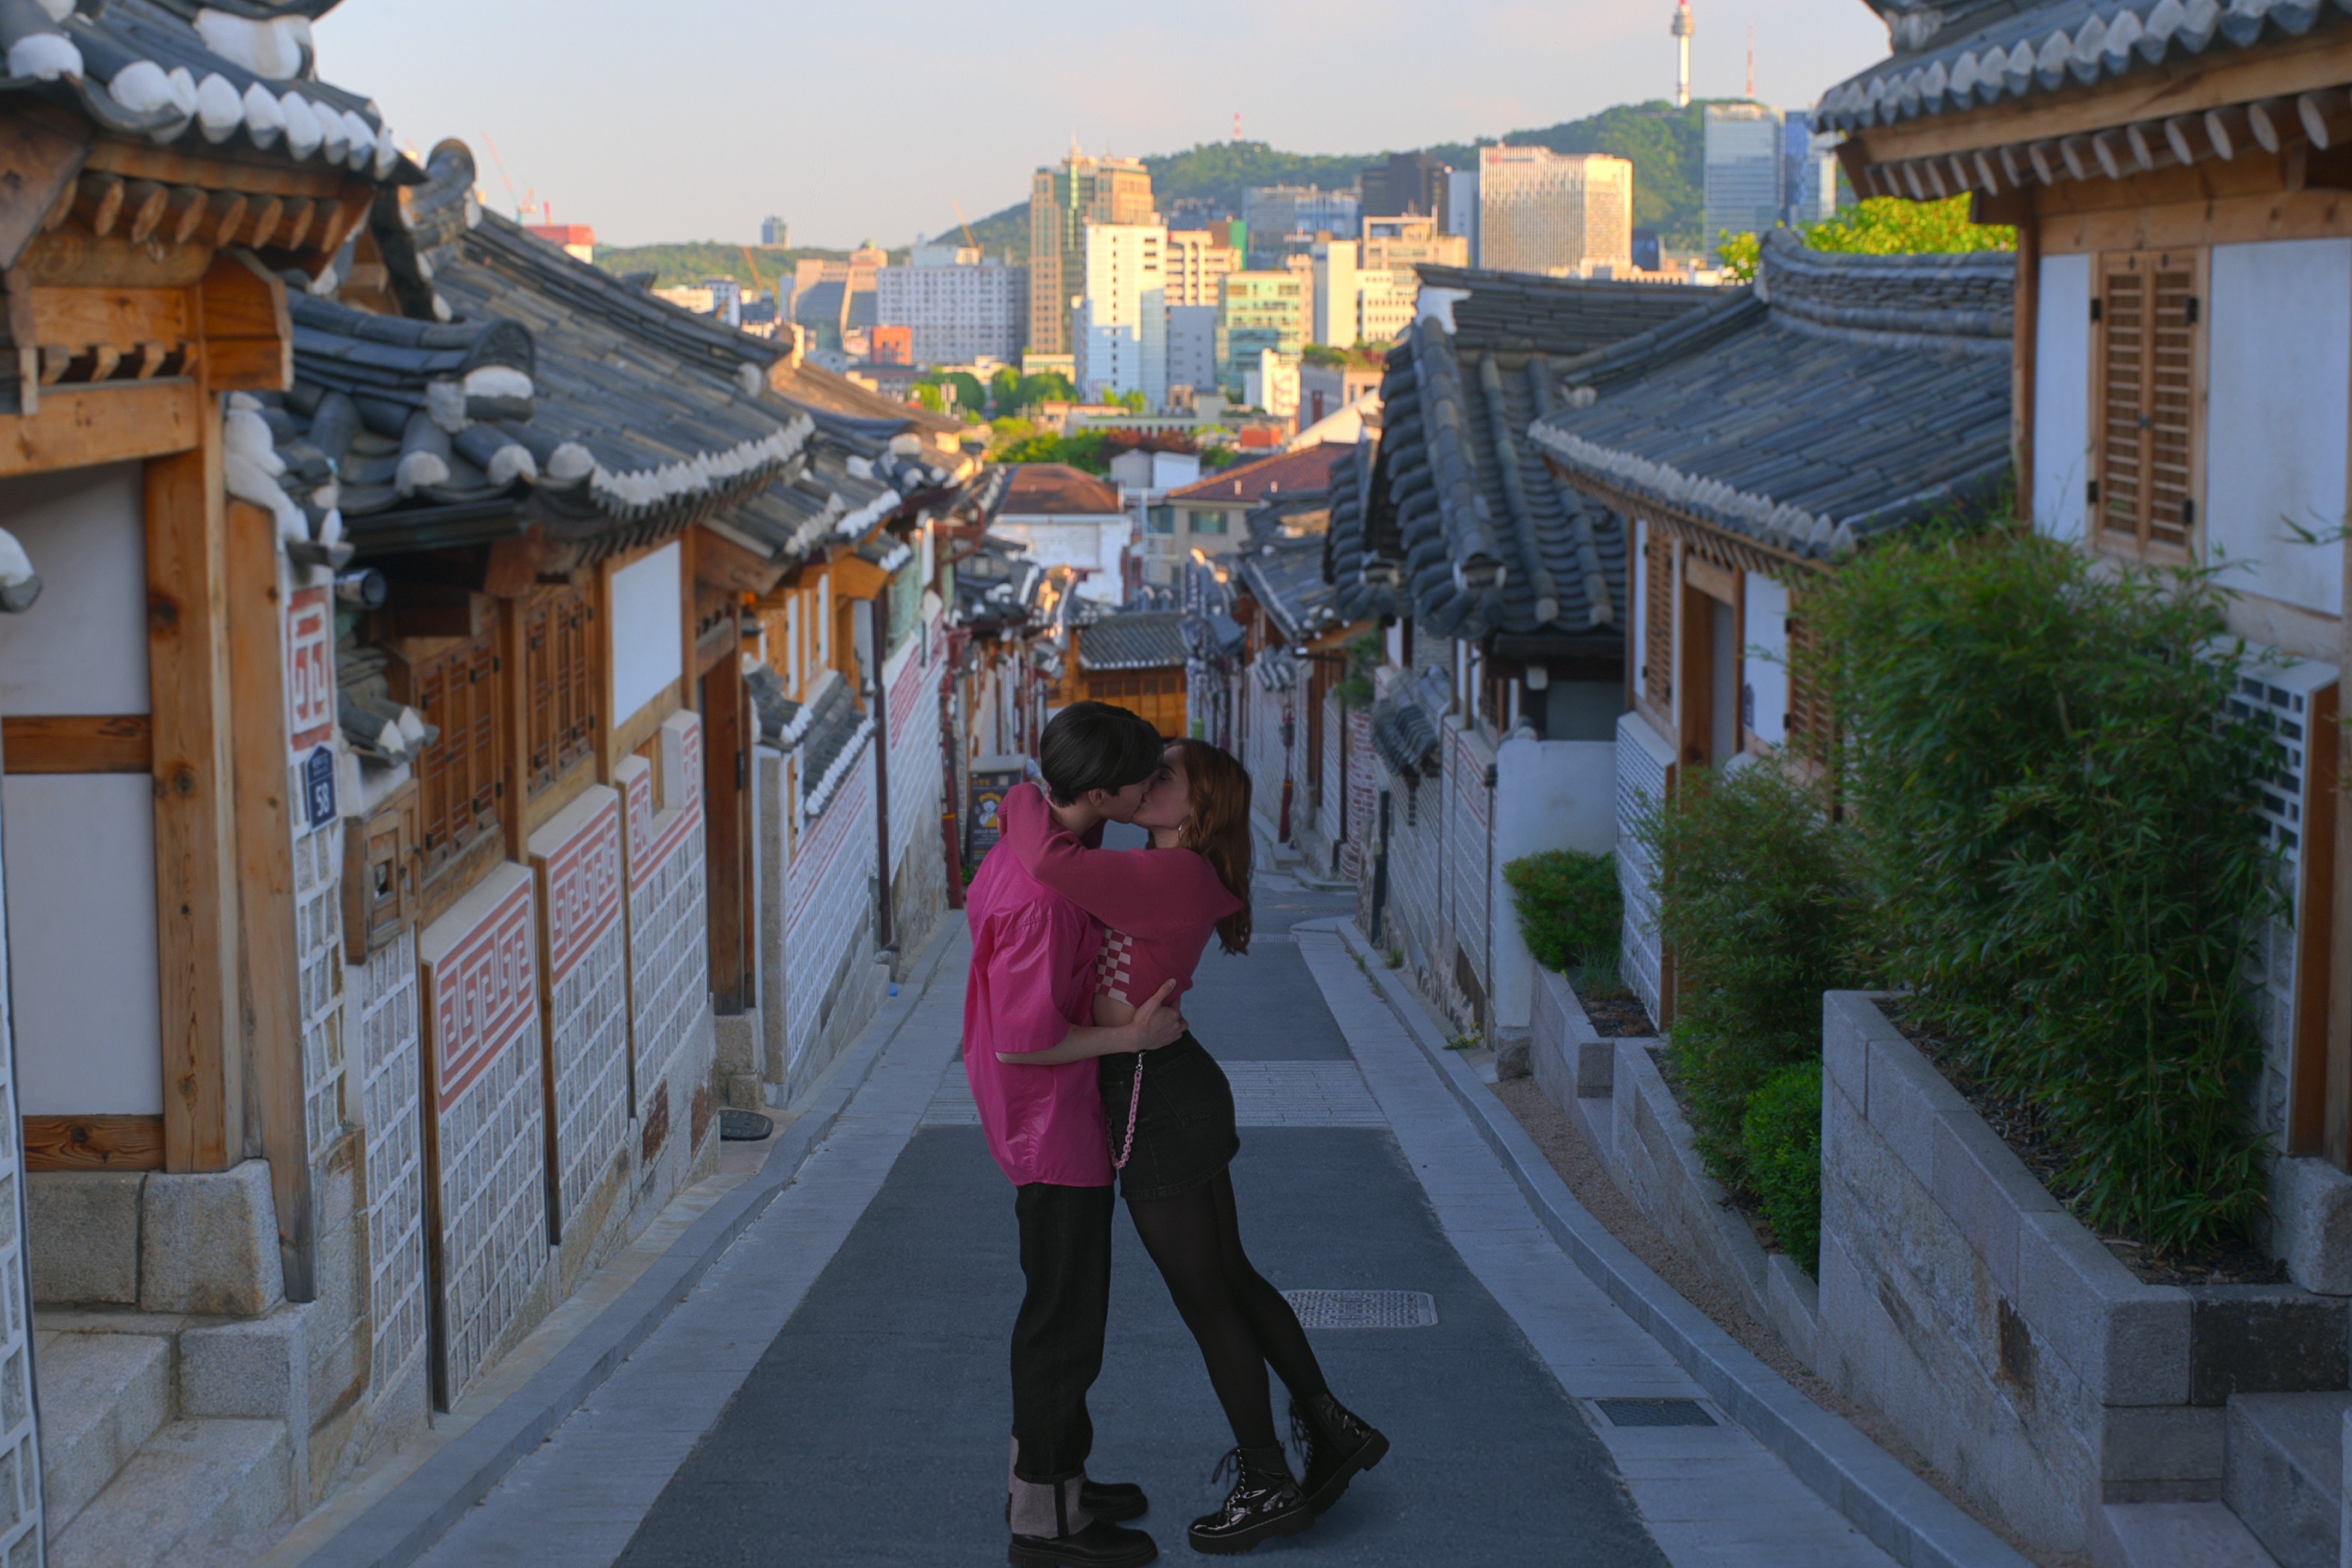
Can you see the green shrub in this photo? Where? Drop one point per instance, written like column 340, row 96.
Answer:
column 1756, row 897
column 2053, row 801
column 1780, row 1144
column 1570, row 908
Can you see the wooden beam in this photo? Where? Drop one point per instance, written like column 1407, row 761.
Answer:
column 80, row 426
column 111, row 315
column 269, row 958
column 215, row 169
column 77, row 744
column 2315, row 934
column 248, row 331
column 195, row 824
column 728, row 843
column 39, row 163
column 93, row 1142
column 720, row 562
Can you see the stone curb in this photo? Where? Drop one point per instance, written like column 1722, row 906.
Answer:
column 1902, row 1515
column 405, row 1523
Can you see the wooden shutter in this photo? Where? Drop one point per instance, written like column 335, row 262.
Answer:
column 2147, row 369
column 456, row 691
column 1808, row 721
column 558, row 683
column 1658, row 617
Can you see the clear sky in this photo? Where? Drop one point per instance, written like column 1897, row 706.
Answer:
column 693, row 119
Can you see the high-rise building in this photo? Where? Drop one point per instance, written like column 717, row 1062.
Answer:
column 1403, row 243
column 1062, row 201
column 1120, row 324
column 1332, row 317
column 1744, row 171
column 1259, row 310
column 1460, row 213
column 1540, row 211
column 1193, row 347
column 1197, row 258
column 958, row 305
column 1809, row 174
column 1409, row 183
column 1276, row 212
column 775, row 231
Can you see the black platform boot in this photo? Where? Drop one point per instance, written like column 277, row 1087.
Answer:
column 1265, row 1503
column 1100, row 1544
column 1113, row 1500
column 1335, row 1444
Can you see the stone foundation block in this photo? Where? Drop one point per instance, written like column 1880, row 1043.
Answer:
column 209, row 1243
column 1903, row 1101
column 85, row 1237
column 2170, row 1443
column 2127, row 1340
column 1846, row 1049
column 255, row 1368
column 2310, row 1217
column 2265, row 1339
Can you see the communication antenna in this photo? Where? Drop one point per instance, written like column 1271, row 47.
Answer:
column 1751, row 62
column 1237, row 124
column 1682, row 29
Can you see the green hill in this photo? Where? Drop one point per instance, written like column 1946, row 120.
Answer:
column 678, row 265
column 1665, row 144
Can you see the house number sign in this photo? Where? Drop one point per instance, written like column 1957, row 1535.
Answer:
column 318, row 787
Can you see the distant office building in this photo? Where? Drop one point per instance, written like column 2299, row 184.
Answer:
column 887, row 345
column 1540, row 211
column 1325, row 389
column 1193, row 347
column 1404, row 242
column 1271, row 383
column 1459, row 215
column 1808, row 171
column 1649, row 252
column 1121, row 319
column 1197, row 261
column 575, row 240
column 775, row 231
column 1062, row 201
column 831, row 297
column 1194, row 212
column 1354, row 303
column 1409, row 183
column 1744, row 171
column 1276, row 213
column 958, row 305
column 1256, row 311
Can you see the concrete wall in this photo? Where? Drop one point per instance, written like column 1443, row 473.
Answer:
column 1643, row 759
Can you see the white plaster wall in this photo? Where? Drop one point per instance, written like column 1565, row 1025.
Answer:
column 1093, row 543
column 1766, row 658
column 1548, row 795
column 82, row 647
column 648, row 630
column 81, row 852
column 2062, row 392
column 2279, row 361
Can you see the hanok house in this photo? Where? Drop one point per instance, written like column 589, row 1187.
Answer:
column 172, row 787
column 1066, row 518
column 1134, row 659
column 997, row 591
column 1211, row 515
column 1503, row 593
column 1750, row 448
column 2177, row 178
column 1291, row 735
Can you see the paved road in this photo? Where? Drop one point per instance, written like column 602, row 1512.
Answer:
column 835, row 1392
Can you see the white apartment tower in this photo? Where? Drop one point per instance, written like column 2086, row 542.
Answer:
column 1744, row 170
column 1540, row 211
column 960, row 306
column 1197, row 264
column 1119, row 326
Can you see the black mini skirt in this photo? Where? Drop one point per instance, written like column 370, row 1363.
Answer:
column 1184, row 1131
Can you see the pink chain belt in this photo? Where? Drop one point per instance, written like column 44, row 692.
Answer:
column 1134, row 1105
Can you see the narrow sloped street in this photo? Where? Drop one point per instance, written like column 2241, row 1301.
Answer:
column 834, row 1390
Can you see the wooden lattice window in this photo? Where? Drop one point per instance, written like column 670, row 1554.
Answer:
column 1808, row 723
column 559, row 682
column 2147, row 372
column 1658, row 618
column 456, row 692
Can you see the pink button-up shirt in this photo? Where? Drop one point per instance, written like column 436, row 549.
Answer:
column 1033, row 978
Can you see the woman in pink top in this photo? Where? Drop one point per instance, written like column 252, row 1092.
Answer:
column 1172, row 1133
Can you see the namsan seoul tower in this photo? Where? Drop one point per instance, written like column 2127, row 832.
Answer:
column 1681, row 30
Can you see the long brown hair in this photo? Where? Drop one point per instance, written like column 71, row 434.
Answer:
column 1219, row 829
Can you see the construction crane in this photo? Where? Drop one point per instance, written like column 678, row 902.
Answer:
column 525, row 203
column 965, row 222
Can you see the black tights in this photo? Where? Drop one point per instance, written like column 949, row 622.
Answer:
column 1241, row 1321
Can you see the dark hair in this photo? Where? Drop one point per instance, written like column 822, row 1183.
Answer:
column 1094, row 745
column 1219, row 830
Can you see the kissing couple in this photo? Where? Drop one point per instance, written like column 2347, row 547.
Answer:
column 1085, row 1072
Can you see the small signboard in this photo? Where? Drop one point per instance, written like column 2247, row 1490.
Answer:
column 318, row 787
column 989, row 781
column 310, row 668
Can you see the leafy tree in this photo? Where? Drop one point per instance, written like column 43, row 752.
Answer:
column 1883, row 226
column 1130, row 401
column 927, row 395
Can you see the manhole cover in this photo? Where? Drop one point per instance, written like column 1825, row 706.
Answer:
column 1655, row 1413
column 1363, row 1309
column 744, row 1126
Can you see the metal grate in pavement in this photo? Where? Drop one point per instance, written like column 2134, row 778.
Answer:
column 1265, row 1094
column 1363, row 1309
column 1655, row 1413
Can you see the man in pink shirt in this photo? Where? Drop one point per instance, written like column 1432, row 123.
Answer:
column 1030, row 995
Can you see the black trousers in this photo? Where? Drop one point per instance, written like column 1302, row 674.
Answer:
column 1058, row 1340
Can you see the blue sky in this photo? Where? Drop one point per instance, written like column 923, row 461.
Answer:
column 692, row 118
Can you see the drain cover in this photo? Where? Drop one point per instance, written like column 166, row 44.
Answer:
column 1655, row 1413
column 1363, row 1309
column 744, row 1126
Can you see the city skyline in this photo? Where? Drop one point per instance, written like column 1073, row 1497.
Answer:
column 573, row 128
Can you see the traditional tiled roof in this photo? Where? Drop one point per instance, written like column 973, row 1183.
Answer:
column 1359, row 569
column 1286, row 575
column 1057, row 490
column 1846, row 395
column 996, row 585
column 1404, row 730
column 1249, row 484
column 831, row 729
column 238, row 72
column 1135, row 639
column 1458, row 522
column 1959, row 54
